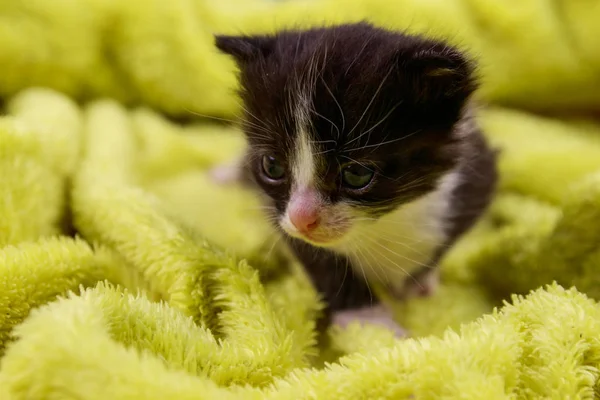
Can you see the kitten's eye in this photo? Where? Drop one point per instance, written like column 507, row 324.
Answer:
column 356, row 176
column 272, row 168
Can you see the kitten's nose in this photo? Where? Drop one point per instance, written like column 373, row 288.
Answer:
column 305, row 219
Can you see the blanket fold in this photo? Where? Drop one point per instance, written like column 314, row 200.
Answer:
column 162, row 54
column 239, row 330
column 135, row 347
column 125, row 272
column 190, row 274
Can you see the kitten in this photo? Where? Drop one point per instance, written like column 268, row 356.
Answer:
column 363, row 144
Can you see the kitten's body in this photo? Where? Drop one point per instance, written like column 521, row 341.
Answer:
column 362, row 142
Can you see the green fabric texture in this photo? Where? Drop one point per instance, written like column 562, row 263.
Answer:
column 173, row 287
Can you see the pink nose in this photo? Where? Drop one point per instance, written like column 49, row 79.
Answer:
column 305, row 219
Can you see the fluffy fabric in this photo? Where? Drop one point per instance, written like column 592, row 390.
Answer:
column 173, row 287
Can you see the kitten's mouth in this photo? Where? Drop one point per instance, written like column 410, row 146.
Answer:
column 324, row 235
column 317, row 239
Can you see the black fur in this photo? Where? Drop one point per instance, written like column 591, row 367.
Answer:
column 333, row 278
column 392, row 100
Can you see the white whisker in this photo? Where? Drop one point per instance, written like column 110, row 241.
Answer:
column 373, row 265
column 367, row 42
column 388, row 141
column 408, row 274
column 328, row 120
column 359, row 261
column 344, row 278
column 339, row 107
column 386, row 116
column 272, row 247
column 386, row 238
column 372, row 100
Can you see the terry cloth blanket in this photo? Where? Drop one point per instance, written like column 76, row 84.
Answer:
column 126, row 274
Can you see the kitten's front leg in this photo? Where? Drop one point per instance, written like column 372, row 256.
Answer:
column 374, row 315
column 233, row 172
column 347, row 296
column 423, row 283
column 227, row 173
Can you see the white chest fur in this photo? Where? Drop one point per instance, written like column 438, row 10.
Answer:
column 392, row 248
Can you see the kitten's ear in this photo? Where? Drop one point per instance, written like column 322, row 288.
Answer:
column 245, row 48
column 440, row 73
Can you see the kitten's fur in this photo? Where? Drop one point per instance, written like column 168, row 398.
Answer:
column 321, row 98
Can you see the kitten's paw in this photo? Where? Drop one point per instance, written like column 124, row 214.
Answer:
column 422, row 285
column 225, row 174
column 375, row 315
column 425, row 285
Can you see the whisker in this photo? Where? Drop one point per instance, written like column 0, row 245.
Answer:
column 386, row 116
column 400, row 243
column 324, row 152
column 359, row 261
column 267, row 133
column 415, row 182
column 297, row 47
column 417, row 179
column 260, row 121
column 392, row 233
column 344, row 278
column 406, row 246
column 232, row 121
column 323, row 141
column 355, row 161
column 388, row 141
column 402, row 223
column 396, row 264
column 339, row 107
column 237, row 122
column 272, row 247
column 399, row 255
column 367, row 42
column 328, row 120
column 373, row 265
column 372, row 100
column 269, row 208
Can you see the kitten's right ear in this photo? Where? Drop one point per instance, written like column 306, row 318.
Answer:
column 440, row 73
column 245, row 48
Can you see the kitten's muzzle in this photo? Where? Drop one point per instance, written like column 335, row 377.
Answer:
column 310, row 218
column 305, row 217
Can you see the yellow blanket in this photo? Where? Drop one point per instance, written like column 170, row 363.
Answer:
column 175, row 288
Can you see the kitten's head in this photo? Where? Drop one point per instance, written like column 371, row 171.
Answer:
column 347, row 123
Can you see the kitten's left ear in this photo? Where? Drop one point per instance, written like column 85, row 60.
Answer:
column 245, row 48
column 440, row 73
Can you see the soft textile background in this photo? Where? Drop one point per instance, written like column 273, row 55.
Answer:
column 175, row 288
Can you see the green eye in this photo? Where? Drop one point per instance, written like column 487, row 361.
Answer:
column 356, row 176
column 272, row 168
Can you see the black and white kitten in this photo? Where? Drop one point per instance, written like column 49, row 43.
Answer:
column 363, row 143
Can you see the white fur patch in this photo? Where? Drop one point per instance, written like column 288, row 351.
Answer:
column 378, row 315
column 303, row 161
column 388, row 250
column 303, row 158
